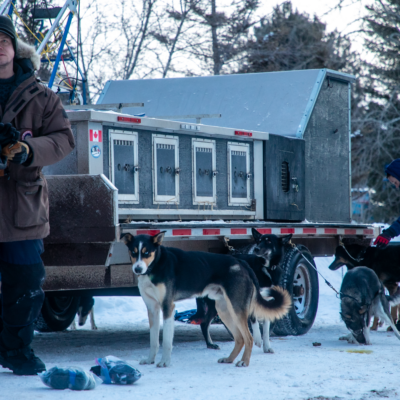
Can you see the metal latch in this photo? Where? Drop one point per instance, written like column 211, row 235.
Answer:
column 295, row 184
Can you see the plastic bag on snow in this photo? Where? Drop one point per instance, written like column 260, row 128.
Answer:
column 74, row 378
column 114, row 370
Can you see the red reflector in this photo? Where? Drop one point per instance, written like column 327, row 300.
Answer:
column 368, row 231
column 211, row 231
column 181, row 232
column 264, row 231
column 149, row 232
column 242, row 133
column 287, row 230
column 238, row 231
column 330, row 230
column 309, row 230
column 127, row 119
column 350, row 231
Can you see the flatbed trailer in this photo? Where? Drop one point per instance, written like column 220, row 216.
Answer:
column 206, row 186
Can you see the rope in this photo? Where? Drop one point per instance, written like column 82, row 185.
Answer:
column 338, row 293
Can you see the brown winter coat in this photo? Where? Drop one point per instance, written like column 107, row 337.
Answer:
column 24, row 203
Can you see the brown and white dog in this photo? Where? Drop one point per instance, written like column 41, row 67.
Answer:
column 166, row 275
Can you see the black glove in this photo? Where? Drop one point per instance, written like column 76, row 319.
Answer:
column 8, row 134
column 22, row 155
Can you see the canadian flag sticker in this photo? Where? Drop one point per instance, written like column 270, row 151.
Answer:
column 95, row 136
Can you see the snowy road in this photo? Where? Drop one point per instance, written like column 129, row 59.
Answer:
column 297, row 370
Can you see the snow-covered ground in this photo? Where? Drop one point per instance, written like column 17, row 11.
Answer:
column 296, row 371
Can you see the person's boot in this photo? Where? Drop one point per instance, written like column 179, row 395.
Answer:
column 22, row 361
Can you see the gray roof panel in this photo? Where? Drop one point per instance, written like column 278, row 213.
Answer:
column 274, row 102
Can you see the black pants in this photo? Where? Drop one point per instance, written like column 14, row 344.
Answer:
column 21, row 301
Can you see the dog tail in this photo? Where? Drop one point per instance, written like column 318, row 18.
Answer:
column 394, row 299
column 274, row 303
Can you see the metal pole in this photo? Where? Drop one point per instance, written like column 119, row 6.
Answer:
column 81, row 74
column 72, row 6
column 4, row 6
column 60, row 50
column 11, row 9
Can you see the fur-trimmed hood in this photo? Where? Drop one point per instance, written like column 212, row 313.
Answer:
column 25, row 50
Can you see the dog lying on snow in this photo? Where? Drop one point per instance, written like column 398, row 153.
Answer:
column 362, row 296
column 385, row 263
column 167, row 275
column 267, row 255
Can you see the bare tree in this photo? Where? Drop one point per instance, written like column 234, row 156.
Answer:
column 221, row 34
column 173, row 31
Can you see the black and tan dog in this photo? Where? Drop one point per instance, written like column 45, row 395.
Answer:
column 266, row 267
column 362, row 296
column 167, row 275
column 384, row 262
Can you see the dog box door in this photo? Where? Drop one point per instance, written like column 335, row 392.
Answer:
column 239, row 174
column 125, row 169
column 204, row 171
column 165, row 169
column 284, row 171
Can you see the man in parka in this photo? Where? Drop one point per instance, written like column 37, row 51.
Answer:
column 34, row 132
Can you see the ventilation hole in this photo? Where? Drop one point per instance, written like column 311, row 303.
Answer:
column 285, row 176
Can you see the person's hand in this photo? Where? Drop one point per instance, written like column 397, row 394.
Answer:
column 8, row 134
column 382, row 241
column 17, row 153
column 385, row 237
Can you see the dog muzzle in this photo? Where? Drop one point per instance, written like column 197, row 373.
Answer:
column 139, row 268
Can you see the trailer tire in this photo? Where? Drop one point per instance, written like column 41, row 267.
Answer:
column 301, row 281
column 57, row 313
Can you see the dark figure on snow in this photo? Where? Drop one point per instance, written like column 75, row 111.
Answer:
column 393, row 174
column 34, row 132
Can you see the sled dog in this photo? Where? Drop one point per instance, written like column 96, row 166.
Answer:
column 363, row 296
column 166, row 275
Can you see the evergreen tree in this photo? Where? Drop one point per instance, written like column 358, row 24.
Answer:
column 289, row 40
column 376, row 118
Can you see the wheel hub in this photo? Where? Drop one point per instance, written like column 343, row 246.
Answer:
column 301, row 290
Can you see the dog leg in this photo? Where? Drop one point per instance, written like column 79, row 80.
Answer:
column 256, row 331
column 350, row 338
column 266, row 344
column 153, row 310
column 228, row 321
column 205, row 326
column 248, row 339
column 92, row 323
column 375, row 324
column 168, row 336
column 389, row 320
column 73, row 325
column 367, row 336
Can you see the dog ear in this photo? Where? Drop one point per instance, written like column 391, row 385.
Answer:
column 363, row 309
column 126, row 238
column 256, row 235
column 157, row 239
column 286, row 239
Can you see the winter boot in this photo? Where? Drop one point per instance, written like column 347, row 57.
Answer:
column 22, row 361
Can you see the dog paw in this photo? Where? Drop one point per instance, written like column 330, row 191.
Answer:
column 95, row 328
column 213, row 346
column 258, row 343
column 269, row 350
column 374, row 328
column 241, row 364
column 164, row 364
column 146, row 361
column 224, row 361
